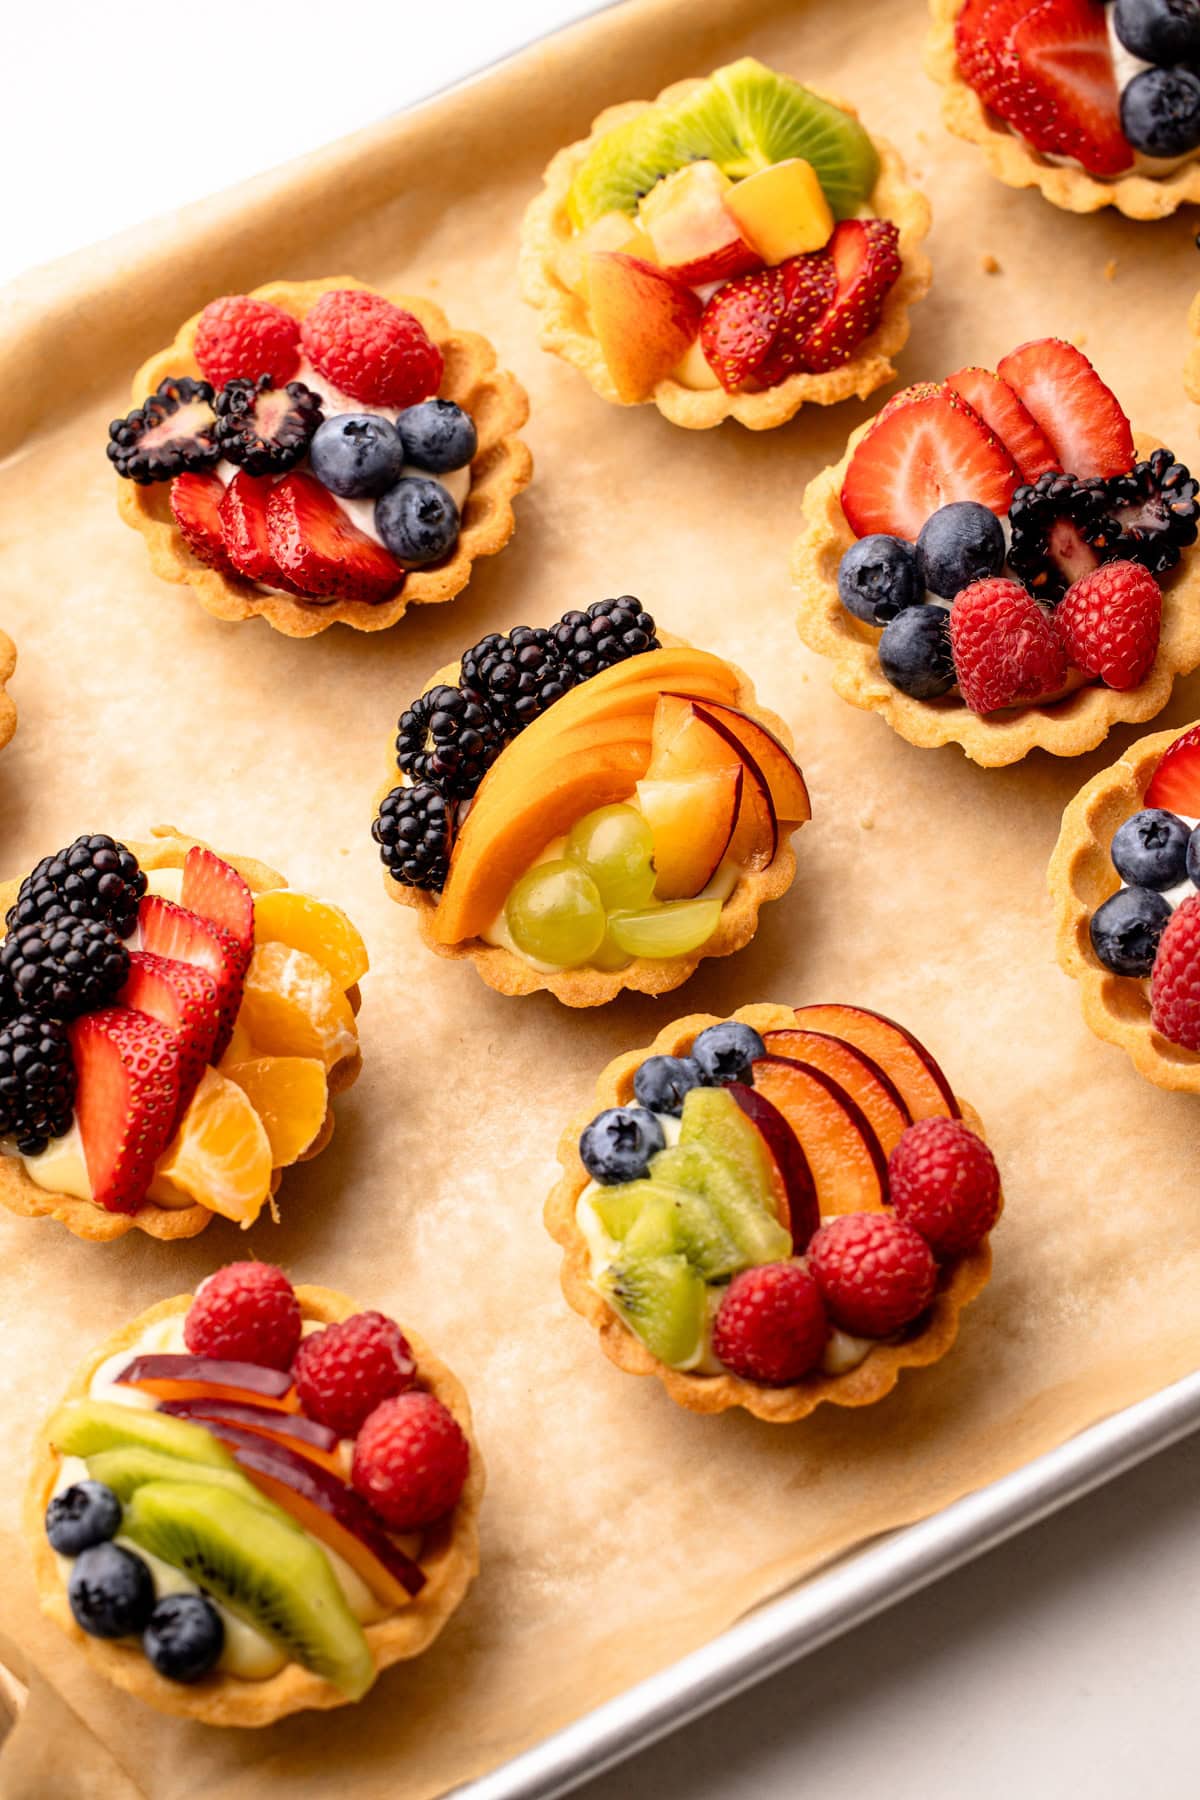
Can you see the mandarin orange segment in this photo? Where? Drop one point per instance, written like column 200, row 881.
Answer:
column 292, row 1006
column 290, row 1095
column 323, row 931
column 220, row 1156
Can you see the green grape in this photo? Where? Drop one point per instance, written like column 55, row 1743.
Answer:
column 610, row 956
column 616, row 847
column 670, row 930
column 556, row 915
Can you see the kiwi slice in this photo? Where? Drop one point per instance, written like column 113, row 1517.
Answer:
column 131, row 1466
column 663, row 1300
column 85, row 1427
column 682, row 1218
column 259, row 1565
column 718, row 1156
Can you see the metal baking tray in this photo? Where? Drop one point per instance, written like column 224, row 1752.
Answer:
column 852, row 1590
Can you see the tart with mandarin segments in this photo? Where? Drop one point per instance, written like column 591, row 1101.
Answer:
column 254, row 1499
column 1095, row 105
column 589, row 808
column 190, row 1018
column 734, row 249
column 8, row 710
column 1000, row 561
column 317, row 453
column 776, row 1210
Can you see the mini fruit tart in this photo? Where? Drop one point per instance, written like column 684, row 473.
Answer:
column 172, row 1029
column 1096, row 105
column 775, row 1210
column 316, row 453
column 8, row 710
column 255, row 1498
column 733, row 249
column 999, row 561
column 587, row 808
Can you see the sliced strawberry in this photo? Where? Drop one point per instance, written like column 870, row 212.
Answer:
column 753, row 328
column 126, row 1100
column 866, row 262
column 195, row 504
column 183, row 997
column 1175, row 784
column 243, row 516
column 314, row 543
column 993, row 401
column 1076, row 410
column 215, row 890
column 170, row 930
column 1063, row 97
column 925, row 449
column 983, row 36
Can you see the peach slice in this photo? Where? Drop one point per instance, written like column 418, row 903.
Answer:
column 692, row 818
column 694, row 232
column 643, row 318
column 180, row 1377
column 845, row 1156
column 786, row 784
column 305, row 1436
column 864, row 1080
column 689, row 735
column 925, row 1090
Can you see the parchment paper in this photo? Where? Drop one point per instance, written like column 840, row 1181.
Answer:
column 619, row 1532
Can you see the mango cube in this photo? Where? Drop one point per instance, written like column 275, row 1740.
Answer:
column 782, row 211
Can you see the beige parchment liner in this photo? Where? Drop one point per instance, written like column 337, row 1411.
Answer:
column 8, row 708
column 619, row 1531
column 1018, row 165
column 1191, row 367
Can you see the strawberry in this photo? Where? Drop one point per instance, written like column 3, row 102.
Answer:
column 1077, row 411
column 975, row 50
column 754, row 327
column 925, row 448
column 866, row 263
column 318, row 548
column 170, row 930
column 1005, row 647
column 195, row 504
column 215, row 890
column 1109, row 623
column 1058, row 88
column 1175, row 784
column 183, row 997
column 127, row 1096
column 1175, row 977
column 993, row 401
column 243, row 518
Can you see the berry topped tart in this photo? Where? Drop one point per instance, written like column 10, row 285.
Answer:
column 1095, row 104
column 253, row 1499
column 1000, row 561
column 589, row 807
column 316, row 453
column 775, row 1210
column 733, row 249
column 8, row 710
column 173, row 1025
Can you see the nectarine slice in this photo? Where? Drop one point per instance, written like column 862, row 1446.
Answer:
column 305, row 1436
column 926, row 1092
column 786, row 784
column 853, row 1069
column 687, row 735
column 643, row 318
column 692, row 818
column 179, row 1377
column 846, row 1159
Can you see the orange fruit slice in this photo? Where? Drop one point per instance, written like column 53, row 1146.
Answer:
column 220, row 1156
column 290, row 1096
column 314, row 926
column 292, row 1006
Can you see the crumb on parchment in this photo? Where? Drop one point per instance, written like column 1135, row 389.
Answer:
column 988, row 263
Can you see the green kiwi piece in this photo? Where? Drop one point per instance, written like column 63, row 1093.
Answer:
column 688, row 1224
column 259, row 1565
column 625, row 164
column 720, row 1168
column 663, row 1300
column 84, row 1427
column 131, row 1466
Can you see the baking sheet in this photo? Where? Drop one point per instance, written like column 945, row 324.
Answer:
column 619, row 1534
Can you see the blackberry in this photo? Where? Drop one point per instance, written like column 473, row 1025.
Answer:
column 446, row 738
column 63, row 966
column 263, row 428
column 93, row 878
column 608, row 632
column 516, row 677
column 1061, row 529
column 413, row 834
column 1155, row 506
column 37, row 1081
column 175, row 429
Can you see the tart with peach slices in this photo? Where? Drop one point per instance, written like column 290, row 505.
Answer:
column 254, row 1499
column 775, row 1210
column 733, row 249
column 316, row 453
column 589, row 808
column 8, row 710
column 173, row 1026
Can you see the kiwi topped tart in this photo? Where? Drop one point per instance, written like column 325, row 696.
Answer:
column 735, row 248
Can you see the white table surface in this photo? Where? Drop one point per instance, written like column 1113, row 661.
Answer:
column 1064, row 1663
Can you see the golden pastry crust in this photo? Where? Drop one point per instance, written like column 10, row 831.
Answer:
column 1018, row 165
column 449, row 1558
column 1080, row 878
column 503, row 466
column 547, row 245
column 874, row 1377
column 1066, row 727
column 8, row 710
column 84, row 1219
column 508, row 973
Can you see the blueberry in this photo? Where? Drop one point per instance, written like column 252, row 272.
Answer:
column 1150, row 850
column 1159, row 31
column 618, row 1144
column 959, row 544
column 725, row 1052
column 438, row 436
column 184, row 1638
column 662, row 1082
column 1126, row 929
column 1160, row 112
column 417, row 520
column 356, row 454
column 914, row 652
column 111, row 1591
column 1192, row 865
column 87, row 1513
column 877, row 577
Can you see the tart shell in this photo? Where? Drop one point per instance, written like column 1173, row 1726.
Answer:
column 83, row 1218
column 449, row 1559
column 564, row 329
column 874, row 1377
column 1066, row 728
column 502, row 467
column 8, row 710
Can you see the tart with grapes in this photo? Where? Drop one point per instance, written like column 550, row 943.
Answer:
column 316, row 453
column 8, row 710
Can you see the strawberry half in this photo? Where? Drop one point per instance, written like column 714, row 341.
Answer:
column 753, row 328
column 1077, row 411
column 1059, row 87
column 243, row 516
column 126, row 1100
column 173, row 931
column 317, row 547
column 183, row 997
column 215, row 890
column 196, row 508
column 925, row 449
column 1175, row 784
column 993, row 401
column 866, row 262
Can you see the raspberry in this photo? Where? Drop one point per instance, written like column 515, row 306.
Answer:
column 370, row 349
column 945, row 1184
column 1175, row 978
column 410, row 1461
column 246, row 1312
column 1005, row 646
column 1109, row 622
column 241, row 338
column 343, row 1372
column 875, row 1272
column 771, row 1325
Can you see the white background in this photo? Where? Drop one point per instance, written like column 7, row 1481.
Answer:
column 1065, row 1663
